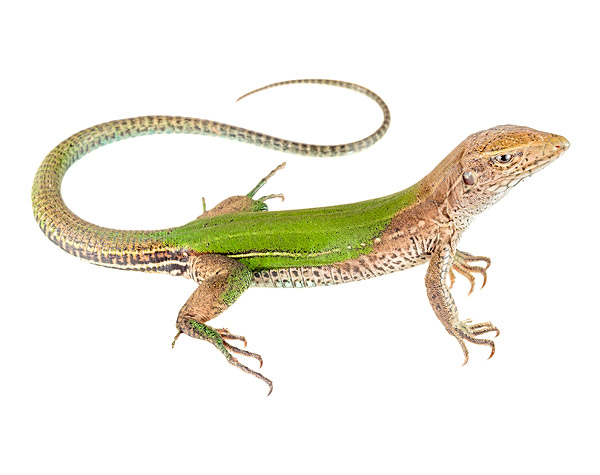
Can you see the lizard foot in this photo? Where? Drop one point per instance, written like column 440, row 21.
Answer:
column 243, row 203
column 463, row 264
column 226, row 335
column 465, row 330
column 261, row 183
column 218, row 338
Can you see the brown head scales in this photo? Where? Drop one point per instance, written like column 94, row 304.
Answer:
column 487, row 164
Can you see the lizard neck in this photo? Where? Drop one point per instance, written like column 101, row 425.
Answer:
column 443, row 186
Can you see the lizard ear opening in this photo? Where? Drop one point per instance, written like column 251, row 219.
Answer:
column 468, row 178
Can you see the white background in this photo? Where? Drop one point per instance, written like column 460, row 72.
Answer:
column 366, row 379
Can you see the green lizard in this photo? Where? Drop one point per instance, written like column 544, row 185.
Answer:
column 239, row 244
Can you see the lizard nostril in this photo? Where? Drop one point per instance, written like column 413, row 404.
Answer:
column 559, row 143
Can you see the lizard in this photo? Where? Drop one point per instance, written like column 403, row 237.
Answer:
column 240, row 244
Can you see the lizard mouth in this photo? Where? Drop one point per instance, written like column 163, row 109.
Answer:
column 551, row 150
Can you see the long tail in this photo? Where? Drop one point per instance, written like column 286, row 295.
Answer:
column 103, row 245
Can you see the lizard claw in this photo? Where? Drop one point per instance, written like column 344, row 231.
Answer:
column 452, row 277
column 466, row 331
column 262, row 183
column 262, row 199
column 239, row 351
column 218, row 338
column 462, row 264
column 226, row 335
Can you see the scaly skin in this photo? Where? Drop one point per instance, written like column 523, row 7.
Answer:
column 237, row 244
column 152, row 251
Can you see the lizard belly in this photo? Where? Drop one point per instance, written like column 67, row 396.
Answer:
column 370, row 265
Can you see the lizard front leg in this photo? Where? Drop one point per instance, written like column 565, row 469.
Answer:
column 221, row 280
column 444, row 306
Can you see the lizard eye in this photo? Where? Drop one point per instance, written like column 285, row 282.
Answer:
column 504, row 158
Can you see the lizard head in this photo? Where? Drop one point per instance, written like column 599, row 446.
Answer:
column 495, row 160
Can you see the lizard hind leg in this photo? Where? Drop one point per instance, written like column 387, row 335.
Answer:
column 244, row 203
column 221, row 280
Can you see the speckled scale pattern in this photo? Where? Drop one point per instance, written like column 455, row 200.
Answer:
column 370, row 265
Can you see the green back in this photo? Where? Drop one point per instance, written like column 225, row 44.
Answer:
column 306, row 237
